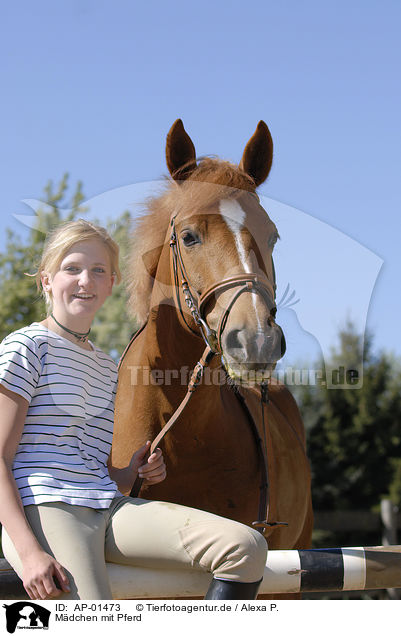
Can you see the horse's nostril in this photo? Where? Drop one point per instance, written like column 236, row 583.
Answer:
column 232, row 339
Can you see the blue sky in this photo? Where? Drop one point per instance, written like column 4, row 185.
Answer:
column 92, row 87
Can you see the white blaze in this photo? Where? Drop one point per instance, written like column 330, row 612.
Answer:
column 234, row 215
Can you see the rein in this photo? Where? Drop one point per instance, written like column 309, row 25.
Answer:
column 244, row 282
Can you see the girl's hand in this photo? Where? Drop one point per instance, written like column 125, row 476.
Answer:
column 40, row 570
column 153, row 470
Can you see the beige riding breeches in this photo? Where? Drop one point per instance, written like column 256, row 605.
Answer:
column 140, row 533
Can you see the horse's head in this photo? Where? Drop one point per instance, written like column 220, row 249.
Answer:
column 222, row 242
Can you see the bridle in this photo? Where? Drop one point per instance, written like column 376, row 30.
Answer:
column 196, row 304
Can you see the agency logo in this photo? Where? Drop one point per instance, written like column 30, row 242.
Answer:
column 26, row 615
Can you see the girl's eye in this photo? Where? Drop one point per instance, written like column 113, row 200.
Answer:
column 190, row 238
column 99, row 270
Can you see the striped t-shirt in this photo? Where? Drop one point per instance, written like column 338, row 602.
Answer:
column 66, row 441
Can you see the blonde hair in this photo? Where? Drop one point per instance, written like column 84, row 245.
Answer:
column 62, row 238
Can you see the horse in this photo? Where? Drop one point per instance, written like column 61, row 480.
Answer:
column 201, row 272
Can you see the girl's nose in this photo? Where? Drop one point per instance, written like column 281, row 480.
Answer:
column 84, row 278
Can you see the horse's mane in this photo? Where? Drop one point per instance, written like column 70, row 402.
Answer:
column 212, row 180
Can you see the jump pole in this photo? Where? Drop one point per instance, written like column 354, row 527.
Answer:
column 287, row 571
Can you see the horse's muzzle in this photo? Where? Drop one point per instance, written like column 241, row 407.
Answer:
column 248, row 355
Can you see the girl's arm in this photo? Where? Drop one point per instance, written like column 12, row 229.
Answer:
column 152, row 470
column 39, row 567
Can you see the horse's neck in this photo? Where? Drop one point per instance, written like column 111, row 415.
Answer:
column 171, row 353
column 170, row 345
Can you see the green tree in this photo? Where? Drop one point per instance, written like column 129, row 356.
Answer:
column 354, row 435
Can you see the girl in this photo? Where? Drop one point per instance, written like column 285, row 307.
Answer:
column 61, row 508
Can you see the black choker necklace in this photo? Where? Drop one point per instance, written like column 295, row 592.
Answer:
column 81, row 337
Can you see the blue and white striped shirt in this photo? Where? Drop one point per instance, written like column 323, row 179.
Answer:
column 66, row 441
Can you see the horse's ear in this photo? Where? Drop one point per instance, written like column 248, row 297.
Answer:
column 180, row 152
column 258, row 154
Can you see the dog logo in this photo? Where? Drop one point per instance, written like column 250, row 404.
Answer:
column 25, row 615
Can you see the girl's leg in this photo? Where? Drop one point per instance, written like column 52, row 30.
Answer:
column 74, row 535
column 165, row 535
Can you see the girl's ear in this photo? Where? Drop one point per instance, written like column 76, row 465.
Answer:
column 46, row 281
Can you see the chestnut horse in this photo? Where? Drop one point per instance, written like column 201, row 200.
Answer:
column 205, row 229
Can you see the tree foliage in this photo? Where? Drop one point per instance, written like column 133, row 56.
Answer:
column 354, row 435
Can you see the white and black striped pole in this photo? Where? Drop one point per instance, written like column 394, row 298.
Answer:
column 287, row 571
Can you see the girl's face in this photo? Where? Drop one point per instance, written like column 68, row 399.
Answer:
column 82, row 283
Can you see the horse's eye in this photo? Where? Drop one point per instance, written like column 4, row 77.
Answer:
column 273, row 312
column 189, row 238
